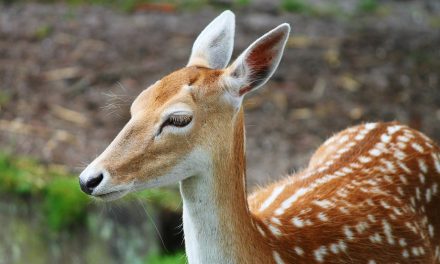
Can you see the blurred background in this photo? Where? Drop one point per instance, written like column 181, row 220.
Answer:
column 70, row 69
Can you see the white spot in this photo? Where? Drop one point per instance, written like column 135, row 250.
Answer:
column 371, row 218
column 340, row 173
column 400, row 191
column 405, row 253
column 389, row 165
column 403, row 139
column 364, row 159
column 347, row 170
column 343, row 139
column 355, row 165
column 398, row 154
column 275, row 220
column 321, row 169
column 403, row 179
column 324, row 203
column 422, row 165
column 411, row 227
column 288, row 203
column 361, row 227
column 323, row 217
column 401, row 145
column 348, row 233
column 388, row 178
column 385, row 138
column 422, row 178
column 415, row 251
column 385, row 204
column 297, row 222
column 320, row 254
column 370, row 126
column 417, row 147
column 275, row 231
column 413, row 201
column 334, row 248
column 344, row 210
column 376, row 238
column 431, row 230
column 299, row 251
column 388, row 232
column 397, row 211
column 428, row 195
column 434, row 188
column 329, row 163
column 418, row 195
column 371, row 261
column 402, row 242
column 277, row 258
column 393, row 129
column 274, row 195
column 342, row 245
column 375, row 152
column 436, row 160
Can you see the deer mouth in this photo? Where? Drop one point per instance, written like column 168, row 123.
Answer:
column 111, row 196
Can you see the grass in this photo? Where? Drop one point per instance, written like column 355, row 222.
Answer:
column 63, row 203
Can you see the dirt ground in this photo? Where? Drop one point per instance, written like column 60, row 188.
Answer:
column 68, row 75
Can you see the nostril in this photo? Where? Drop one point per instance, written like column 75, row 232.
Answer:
column 94, row 182
column 89, row 185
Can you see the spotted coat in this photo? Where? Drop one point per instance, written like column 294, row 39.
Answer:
column 369, row 195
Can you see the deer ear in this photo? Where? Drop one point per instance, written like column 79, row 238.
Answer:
column 213, row 47
column 257, row 63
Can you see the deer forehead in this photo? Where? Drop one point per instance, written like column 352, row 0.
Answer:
column 187, row 85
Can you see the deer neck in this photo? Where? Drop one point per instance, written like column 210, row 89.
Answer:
column 216, row 220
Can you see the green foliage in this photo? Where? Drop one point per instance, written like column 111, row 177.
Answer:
column 21, row 176
column 43, row 31
column 63, row 202
column 178, row 258
column 368, row 6
column 242, row 2
column 297, row 6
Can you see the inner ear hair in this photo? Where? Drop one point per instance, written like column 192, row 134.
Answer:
column 258, row 62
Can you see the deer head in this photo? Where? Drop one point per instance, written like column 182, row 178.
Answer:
column 176, row 122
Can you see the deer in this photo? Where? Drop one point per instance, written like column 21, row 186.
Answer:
column 370, row 194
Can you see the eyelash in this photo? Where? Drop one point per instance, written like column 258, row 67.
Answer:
column 176, row 121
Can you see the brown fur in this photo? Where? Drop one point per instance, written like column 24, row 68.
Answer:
column 134, row 155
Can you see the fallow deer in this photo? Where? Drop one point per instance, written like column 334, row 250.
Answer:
column 370, row 194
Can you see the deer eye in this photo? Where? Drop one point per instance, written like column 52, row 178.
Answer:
column 176, row 120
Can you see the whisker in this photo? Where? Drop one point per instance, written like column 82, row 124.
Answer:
column 154, row 224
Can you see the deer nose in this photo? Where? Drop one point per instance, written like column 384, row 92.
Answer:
column 91, row 183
